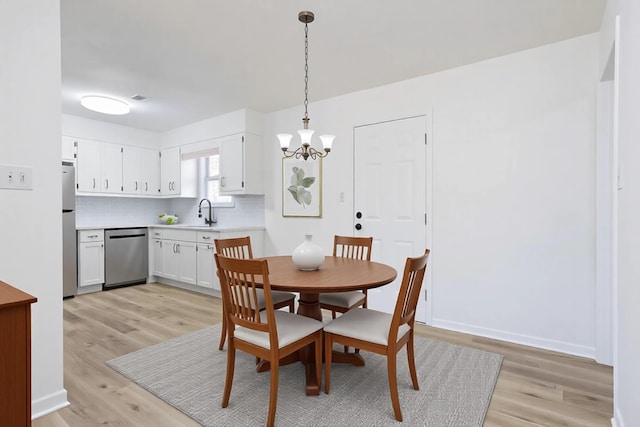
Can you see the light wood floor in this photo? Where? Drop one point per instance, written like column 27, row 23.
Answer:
column 535, row 387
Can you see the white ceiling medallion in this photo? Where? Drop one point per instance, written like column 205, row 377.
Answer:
column 104, row 104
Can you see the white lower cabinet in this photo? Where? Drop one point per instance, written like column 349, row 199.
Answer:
column 186, row 256
column 155, row 258
column 90, row 259
column 179, row 261
column 207, row 277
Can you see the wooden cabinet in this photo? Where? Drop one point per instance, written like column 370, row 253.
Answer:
column 90, row 260
column 241, row 164
column 15, row 356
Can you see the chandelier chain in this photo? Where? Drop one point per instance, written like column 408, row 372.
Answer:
column 305, row 150
column 306, row 70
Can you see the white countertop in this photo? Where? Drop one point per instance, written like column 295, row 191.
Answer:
column 178, row 226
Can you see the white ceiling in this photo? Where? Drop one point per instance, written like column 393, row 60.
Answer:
column 197, row 59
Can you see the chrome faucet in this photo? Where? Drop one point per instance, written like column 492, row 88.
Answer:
column 209, row 221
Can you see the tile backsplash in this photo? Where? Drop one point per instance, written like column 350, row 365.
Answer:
column 107, row 212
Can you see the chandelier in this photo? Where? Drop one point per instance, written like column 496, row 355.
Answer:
column 305, row 150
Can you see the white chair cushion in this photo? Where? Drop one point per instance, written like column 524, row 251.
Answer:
column 276, row 297
column 342, row 299
column 291, row 327
column 365, row 324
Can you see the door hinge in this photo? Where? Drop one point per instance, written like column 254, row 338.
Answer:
column 75, row 143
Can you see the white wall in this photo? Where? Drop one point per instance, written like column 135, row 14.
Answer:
column 513, row 189
column 214, row 127
column 627, row 295
column 83, row 128
column 30, row 230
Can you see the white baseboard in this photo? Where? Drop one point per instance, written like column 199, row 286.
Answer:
column 562, row 347
column 617, row 420
column 49, row 404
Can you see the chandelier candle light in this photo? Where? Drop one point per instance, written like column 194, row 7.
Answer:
column 305, row 150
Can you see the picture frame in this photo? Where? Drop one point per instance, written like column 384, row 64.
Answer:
column 301, row 188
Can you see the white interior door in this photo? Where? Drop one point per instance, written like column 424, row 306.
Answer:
column 390, row 198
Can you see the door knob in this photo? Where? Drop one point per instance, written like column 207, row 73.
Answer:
column 358, row 226
column 358, row 215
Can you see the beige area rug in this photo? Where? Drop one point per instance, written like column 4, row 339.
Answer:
column 456, row 384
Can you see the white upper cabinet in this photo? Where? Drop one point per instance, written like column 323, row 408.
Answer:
column 178, row 177
column 141, row 171
column 69, row 148
column 170, row 171
column 111, row 168
column 241, row 164
column 88, row 166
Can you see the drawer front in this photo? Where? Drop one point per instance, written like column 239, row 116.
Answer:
column 208, row 236
column 155, row 233
column 86, row 236
column 184, row 235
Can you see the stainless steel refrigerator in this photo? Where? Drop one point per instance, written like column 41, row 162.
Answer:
column 69, row 251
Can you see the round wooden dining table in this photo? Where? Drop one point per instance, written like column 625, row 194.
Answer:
column 336, row 274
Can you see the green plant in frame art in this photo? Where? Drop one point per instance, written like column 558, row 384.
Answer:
column 302, row 187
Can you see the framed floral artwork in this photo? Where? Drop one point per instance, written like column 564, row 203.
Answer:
column 301, row 187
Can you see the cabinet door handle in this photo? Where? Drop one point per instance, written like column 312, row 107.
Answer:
column 222, row 182
column 178, row 246
column 136, row 185
column 206, row 237
column 146, row 187
column 94, row 183
column 93, row 236
column 107, row 183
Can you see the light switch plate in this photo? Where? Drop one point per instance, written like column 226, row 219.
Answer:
column 16, row 177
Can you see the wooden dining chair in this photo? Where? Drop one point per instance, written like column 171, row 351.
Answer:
column 270, row 334
column 382, row 333
column 347, row 247
column 240, row 247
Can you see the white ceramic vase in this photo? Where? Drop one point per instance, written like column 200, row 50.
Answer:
column 308, row 256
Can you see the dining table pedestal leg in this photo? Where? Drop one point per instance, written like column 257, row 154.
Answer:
column 309, row 306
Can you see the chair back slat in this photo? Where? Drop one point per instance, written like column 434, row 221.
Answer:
column 405, row 309
column 239, row 247
column 352, row 247
column 240, row 280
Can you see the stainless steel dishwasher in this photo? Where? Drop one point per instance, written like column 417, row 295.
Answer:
column 125, row 256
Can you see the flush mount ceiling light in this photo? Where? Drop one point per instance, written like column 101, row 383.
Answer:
column 104, row 104
column 305, row 150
